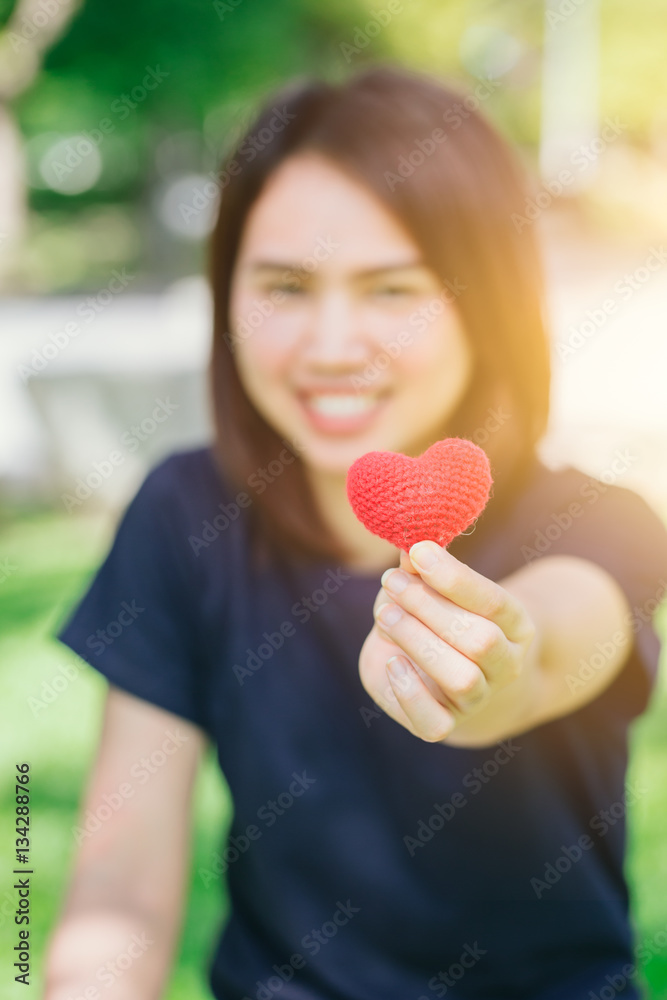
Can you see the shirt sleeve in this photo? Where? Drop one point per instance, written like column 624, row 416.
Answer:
column 136, row 622
column 619, row 531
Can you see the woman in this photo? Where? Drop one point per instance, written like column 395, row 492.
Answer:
column 448, row 828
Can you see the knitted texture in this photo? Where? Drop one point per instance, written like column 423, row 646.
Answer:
column 435, row 496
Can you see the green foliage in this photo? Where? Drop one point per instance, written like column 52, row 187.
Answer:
column 210, row 51
column 215, row 60
column 6, row 9
column 219, row 58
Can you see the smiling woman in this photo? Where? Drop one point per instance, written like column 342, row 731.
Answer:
column 429, row 274
column 296, row 368
column 357, row 313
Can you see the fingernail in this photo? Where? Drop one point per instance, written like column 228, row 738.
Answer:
column 397, row 667
column 424, row 554
column 389, row 614
column 394, row 580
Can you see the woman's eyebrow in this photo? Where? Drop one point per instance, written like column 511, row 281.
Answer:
column 371, row 272
column 277, row 265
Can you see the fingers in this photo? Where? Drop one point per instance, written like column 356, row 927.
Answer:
column 452, row 637
column 470, row 590
column 427, row 718
column 476, row 638
column 460, row 680
column 384, row 689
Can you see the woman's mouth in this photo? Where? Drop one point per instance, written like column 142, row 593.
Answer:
column 341, row 412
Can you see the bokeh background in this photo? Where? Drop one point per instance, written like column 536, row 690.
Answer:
column 115, row 116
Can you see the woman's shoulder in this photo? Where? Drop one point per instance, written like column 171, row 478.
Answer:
column 188, row 499
column 567, row 511
column 187, row 474
column 565, row 501
column 190, row 481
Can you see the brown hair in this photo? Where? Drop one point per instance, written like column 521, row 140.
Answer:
column 456, row 196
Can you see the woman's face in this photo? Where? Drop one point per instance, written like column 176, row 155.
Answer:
column 344, row 340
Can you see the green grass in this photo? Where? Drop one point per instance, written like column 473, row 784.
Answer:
column 52, row 557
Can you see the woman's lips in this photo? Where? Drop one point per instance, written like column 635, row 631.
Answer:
column 341, row 412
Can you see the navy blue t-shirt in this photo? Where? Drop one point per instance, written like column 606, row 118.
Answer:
column 364, row 863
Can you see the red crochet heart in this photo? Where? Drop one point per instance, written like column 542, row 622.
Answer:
column 435, row 496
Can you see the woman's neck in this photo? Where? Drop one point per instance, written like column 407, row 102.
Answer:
column 370, row 553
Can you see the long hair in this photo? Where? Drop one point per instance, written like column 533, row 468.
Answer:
column 425, row 150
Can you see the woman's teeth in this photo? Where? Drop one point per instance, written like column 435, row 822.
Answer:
column 340, row 405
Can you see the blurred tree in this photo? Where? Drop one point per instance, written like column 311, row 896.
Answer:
column 29, row 28
column 137, row 99
column 206, row 56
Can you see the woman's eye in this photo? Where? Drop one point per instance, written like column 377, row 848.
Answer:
column 393, row 291
column 287, row 288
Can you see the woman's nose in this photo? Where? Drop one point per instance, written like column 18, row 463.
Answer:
column 333, row 335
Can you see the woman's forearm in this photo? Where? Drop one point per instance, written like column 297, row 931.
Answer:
column 104, row 954
column 575, row 606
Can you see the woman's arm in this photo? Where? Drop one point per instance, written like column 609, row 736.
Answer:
column 495, row 659
column 582, row 639
column 119, row 927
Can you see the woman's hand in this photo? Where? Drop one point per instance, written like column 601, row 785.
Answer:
column 446, row 642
